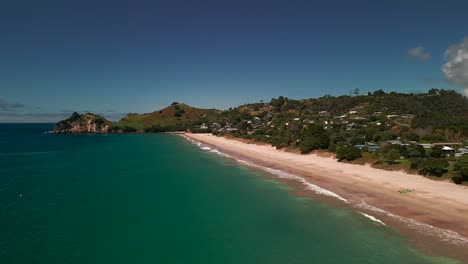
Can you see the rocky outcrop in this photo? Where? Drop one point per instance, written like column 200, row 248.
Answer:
column 85, row 123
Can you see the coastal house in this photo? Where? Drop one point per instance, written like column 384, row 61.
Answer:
column 340, row 117
column 394, row 142
column 448, row 150
column 426, row 145
column 461, row 152
column 323, row 113
column 369, row 146
column 215, row 125
column 203, row 126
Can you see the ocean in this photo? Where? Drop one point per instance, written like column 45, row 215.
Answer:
column 158, row 198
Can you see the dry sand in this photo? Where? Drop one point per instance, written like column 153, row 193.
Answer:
column 436, row 207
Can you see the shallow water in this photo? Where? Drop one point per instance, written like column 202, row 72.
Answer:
column 159, row 199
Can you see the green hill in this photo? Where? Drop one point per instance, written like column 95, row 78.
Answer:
column 177, row 116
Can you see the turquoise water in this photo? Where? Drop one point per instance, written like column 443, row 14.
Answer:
column 159, row 199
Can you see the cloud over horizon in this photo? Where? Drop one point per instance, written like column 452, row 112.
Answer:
column 419, row 53
column 456, row 67
column 6, row 106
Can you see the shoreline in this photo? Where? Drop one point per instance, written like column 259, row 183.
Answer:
column 436, row 210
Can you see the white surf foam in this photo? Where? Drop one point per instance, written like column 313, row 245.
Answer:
column 285, row 175
column 205, row 148
column 278, row 173
column 440, row 233
column 220, row 153
column 373, row 218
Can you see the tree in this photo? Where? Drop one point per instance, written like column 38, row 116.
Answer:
column 348, row 153
column 314, row 137
column 379, row 92
column 434, row 166
column 356, row 91
column 461, row 169
column 434, row 91
column 436, row 152
column 411, row 136
column 415, row 152
column 392, row 155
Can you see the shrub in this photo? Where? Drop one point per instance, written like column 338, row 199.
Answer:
column 127, row 129
column 461, row 169
column 416, row 163
column 348, row 153
column 436, row 152
column 392, row 155
column 434, row 166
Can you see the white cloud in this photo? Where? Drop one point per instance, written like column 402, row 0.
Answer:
column 456, row 67
column 419, row 53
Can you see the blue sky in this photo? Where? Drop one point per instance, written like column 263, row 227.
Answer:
column 115, row 57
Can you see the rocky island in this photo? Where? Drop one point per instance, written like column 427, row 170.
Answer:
column 84, row 123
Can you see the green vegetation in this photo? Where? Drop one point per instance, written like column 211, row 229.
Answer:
column 348, row 153
column 176, row 117
column 461, row 170
column 313, row 137
column 430, row 166
column 389, row 130
column 392, row 155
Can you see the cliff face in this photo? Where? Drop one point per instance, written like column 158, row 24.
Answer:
column 85, row 123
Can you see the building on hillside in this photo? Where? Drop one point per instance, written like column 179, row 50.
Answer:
column 426, row 145
column 215, row 125
column 461, row 151
column 395, row 142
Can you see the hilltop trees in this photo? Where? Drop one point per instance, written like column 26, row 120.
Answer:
column 356, row 91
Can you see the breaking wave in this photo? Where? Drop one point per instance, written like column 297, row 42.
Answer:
column 373, row 218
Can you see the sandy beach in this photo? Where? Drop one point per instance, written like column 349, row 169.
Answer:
column 436, row 208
